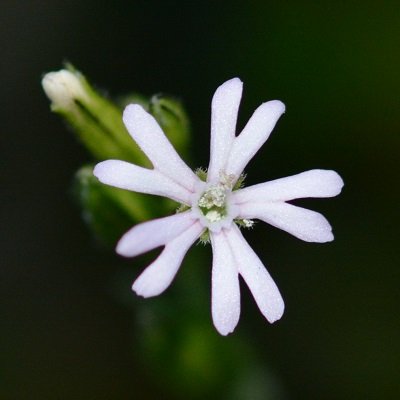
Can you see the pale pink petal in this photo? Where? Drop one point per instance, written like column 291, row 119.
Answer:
column 225, row 301
column 152, row 234
column 224, row 110
column 146, row 132
column 307, row 225
column 124, row 175
column 313, row 183
column 257, row 278
column 253, row 136
column 159, row 275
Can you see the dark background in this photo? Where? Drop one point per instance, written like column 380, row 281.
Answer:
column 335, row 65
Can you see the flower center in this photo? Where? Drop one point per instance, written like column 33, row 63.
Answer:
column 212, row 203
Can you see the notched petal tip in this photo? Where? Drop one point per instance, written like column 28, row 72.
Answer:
column 147, row 285
column 329, row 237
column 223, row 330
column 123, row 248
column 101, row 170
column 275, row 307
column 336, row 181
column 131, row 112
column 225, row 321
column 277, row 314
column 275, row 105
column 322, row 232
column 232, row 83
column 232, row 87
column 226, row 324
column 236, row 80
column 141, row 291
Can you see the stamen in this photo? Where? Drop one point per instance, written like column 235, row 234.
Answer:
column 212, row 203
column 213, row 197
column 248, row 223
column 244, row 223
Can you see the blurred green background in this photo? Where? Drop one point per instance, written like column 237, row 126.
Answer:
column 69, row 320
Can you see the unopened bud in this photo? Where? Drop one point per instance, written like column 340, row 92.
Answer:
column 63, row 88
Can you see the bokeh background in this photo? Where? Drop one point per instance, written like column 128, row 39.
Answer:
column 70, row 325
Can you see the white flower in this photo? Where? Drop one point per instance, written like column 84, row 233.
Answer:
column 215, row 206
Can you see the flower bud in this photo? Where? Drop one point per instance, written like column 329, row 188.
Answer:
column 63, row 88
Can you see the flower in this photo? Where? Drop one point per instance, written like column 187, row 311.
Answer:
column 216, row 205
